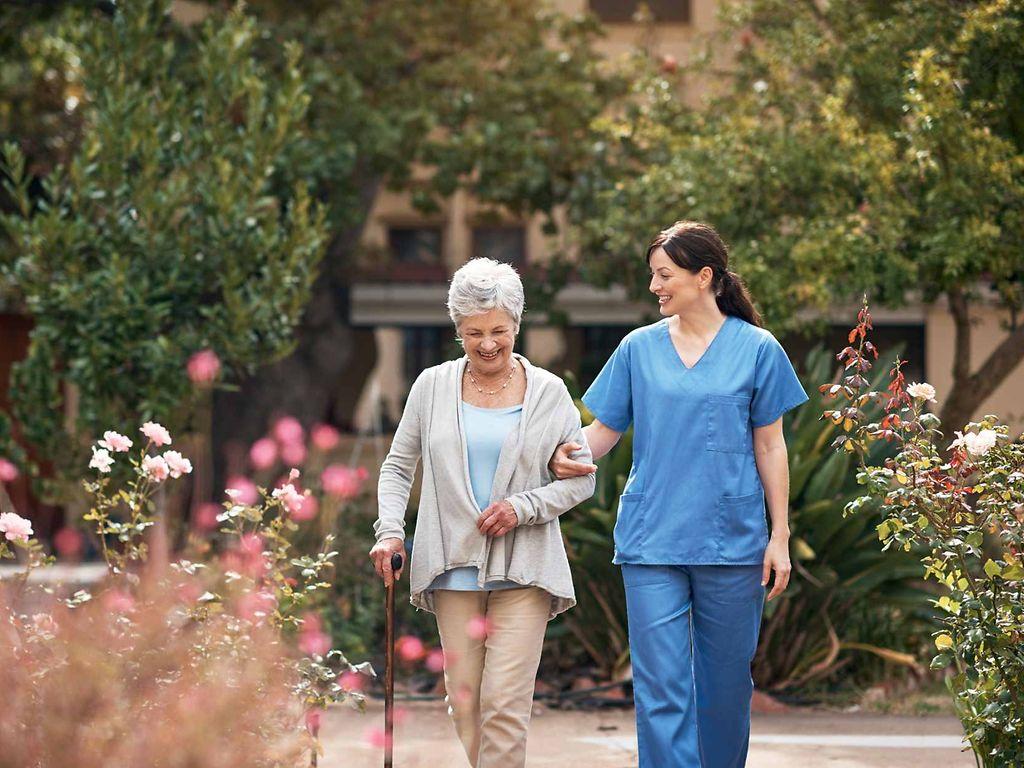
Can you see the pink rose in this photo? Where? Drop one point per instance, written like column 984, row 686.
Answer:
column 247, row 557
column 15, row 527
column 203, row 366
column 410, row 648
column 101, row 459
column 177, row 464
column 290, row 497
column 293, row 453
column 205, row 516
column 263, row 453
column 435, row 660
column 156, row 433
column 343, row 482
column 8, row 472
column 68, row 542
column 307, row 510
column 155, row 468
column 114, row 441
column 325, row 437
column 287, row 430
column 245, row 490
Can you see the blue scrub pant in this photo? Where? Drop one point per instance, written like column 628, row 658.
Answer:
column 692, row 636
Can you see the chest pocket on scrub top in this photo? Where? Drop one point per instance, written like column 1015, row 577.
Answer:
column 728, row 420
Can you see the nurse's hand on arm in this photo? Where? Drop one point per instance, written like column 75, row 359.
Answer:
column 600, row 438
column 773, row 467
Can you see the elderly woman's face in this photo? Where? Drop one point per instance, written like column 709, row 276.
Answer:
column 488, row 339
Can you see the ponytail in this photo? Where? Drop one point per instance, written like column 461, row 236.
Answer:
column 733, row 298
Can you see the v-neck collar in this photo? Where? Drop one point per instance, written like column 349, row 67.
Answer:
column 707, row 350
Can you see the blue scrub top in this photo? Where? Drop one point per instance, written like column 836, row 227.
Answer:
column 694, row 496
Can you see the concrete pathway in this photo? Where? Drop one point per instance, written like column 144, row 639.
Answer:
column 424, row 738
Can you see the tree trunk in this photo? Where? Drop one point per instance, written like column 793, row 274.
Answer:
column 971, row 390
column 320, row 380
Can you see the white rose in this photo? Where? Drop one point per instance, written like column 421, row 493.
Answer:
column 922, row 391
column 976, row 443
column 101, row 459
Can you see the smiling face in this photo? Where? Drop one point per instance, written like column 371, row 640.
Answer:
column 488, row 339
column 677, row 288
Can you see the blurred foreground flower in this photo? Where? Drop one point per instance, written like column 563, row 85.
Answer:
column 8, row 472
column 14, row 527
column 203, row 366
column 342, row 481
column 93, row 686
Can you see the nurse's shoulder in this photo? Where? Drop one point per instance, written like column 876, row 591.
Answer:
column 643, row 336
column 756, row 339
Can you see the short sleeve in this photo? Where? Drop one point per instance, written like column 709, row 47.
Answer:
column 610, row 397
column 776, row 386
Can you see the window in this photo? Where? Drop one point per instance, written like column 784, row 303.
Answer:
column 415, row 245
column 505, row 244
column 618, row 11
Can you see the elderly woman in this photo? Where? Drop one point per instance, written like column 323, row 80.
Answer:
column 487, row 558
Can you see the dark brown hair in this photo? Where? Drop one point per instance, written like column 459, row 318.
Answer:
column 694, row 245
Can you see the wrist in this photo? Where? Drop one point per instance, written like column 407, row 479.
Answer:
column 780, row 534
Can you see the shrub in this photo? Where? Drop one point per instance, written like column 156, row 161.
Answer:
column 948, row 498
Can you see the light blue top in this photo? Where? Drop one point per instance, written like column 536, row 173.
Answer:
column 694, row 496
column 486, row 431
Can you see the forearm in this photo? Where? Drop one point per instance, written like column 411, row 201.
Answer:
column 773, row 467
column 600, row 438
column 397, row 474
column 544, row 504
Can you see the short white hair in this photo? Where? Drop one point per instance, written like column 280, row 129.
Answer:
column 481, row 285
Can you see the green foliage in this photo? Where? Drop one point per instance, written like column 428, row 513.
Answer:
column 598, row 622
column 494, row 96
column 944, row 499
column 164, row 234
column 857, row 146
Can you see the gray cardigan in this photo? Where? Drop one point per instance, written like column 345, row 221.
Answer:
column 532, row 554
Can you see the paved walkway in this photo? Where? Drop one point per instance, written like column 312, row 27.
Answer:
column 424, row 738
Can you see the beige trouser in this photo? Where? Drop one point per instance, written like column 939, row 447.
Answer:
column 490, row 680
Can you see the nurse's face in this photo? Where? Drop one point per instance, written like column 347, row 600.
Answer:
column 488, row 339
column 677, row 289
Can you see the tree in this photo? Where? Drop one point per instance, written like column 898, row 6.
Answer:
column 168, row 231
column 492, row 96
column 853, row 147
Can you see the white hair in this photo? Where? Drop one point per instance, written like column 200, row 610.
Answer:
column 481, row 285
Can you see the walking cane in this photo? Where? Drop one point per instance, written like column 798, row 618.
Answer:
column 389, row 669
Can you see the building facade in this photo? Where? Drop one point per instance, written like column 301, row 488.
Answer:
column 402, row 299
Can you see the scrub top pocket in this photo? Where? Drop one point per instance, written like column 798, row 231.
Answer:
column 629, row 526
column 742, row 527
column 728, row 420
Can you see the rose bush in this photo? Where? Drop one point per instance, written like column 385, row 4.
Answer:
column 242, row 609
column 963, row 502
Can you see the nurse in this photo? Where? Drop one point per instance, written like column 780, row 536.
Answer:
column 705, row 389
